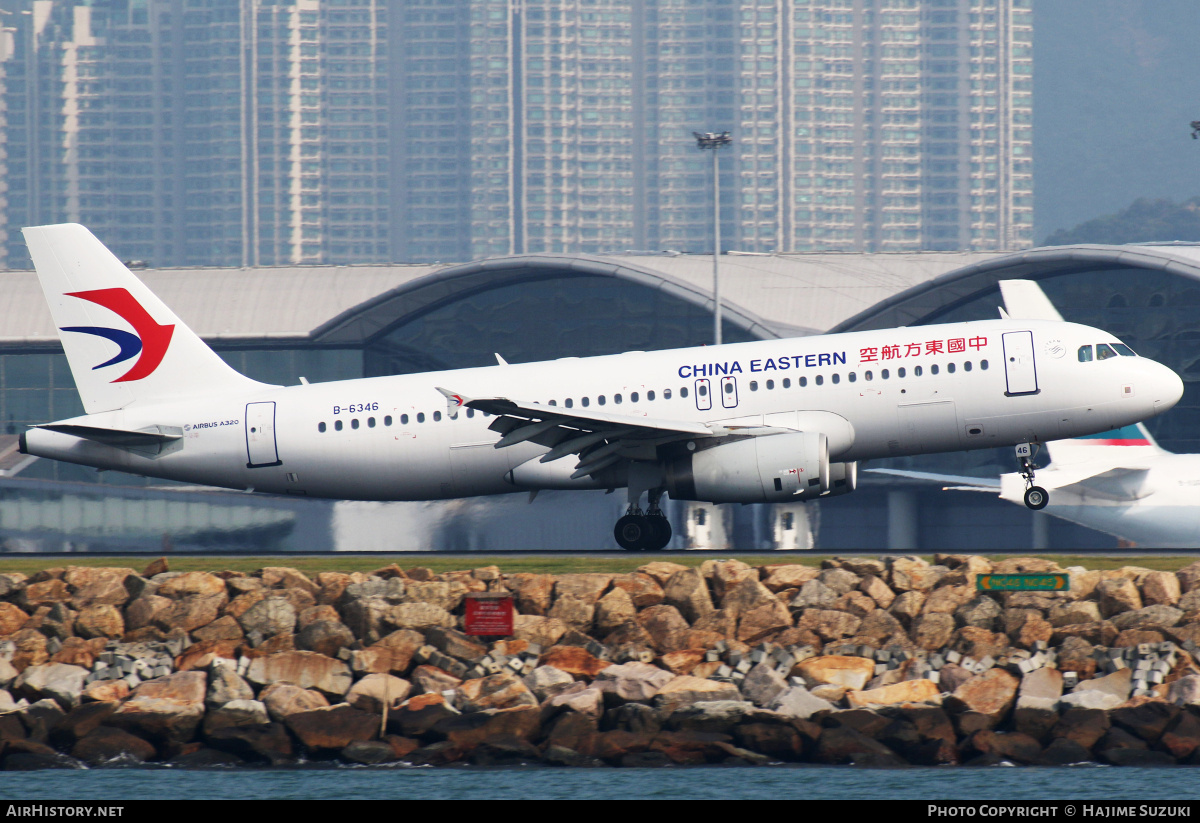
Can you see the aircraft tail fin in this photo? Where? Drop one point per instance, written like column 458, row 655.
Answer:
column 122, row 343
column 1125, row 446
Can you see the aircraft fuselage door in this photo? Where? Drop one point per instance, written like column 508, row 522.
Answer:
column 729, row 392
column 261, row 449
column 703, row 394
column 1020, row 370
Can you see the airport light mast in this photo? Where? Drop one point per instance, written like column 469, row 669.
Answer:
column 714, row 142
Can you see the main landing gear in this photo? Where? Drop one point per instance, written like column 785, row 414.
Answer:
column 639, row 531
column 1036, row 497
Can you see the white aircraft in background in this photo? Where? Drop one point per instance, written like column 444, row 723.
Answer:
column 1119, row 482
column 768, row 421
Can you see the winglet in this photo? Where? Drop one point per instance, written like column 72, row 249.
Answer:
column 454, row 402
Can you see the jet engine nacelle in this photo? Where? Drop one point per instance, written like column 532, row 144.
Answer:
column 769, row 469
column 843, row 478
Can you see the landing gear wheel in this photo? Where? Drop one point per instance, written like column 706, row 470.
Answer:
column 1036, row 498
column 634, row 532
column 660, row 532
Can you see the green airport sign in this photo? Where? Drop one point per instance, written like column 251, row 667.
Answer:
column 1023, row 582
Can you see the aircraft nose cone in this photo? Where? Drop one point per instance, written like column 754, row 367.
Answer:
column 1167, row 388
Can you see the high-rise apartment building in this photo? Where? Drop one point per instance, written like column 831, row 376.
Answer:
column 223, row 132
column 258, row 132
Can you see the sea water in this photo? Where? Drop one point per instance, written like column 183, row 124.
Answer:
column 782, row 782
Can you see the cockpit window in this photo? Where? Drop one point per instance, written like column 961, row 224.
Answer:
column 1104, row 351
column 1085, row 354
column 1124, row 350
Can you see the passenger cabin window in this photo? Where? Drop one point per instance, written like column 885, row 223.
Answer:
column 337, row 425
column 569, row 403
column 1085, row 354
column 585, row 402
column 852, row 377
column 803, row 382
column 983, row 365
column 820, row 380
column 470, row 413
column 753, row 386
column 404, row 420
column 649, row 396
column 354, row 423
column 321, row 427
column 600, row 400
column 420, row 417
column 837, row 378
column 666, row 394
column 787, row 382
column 933, row 369
column 967, row 366
column 682, row 392
column 437, row 416
column 1104, row 351
column 617, row 398
column 370, row 422
column 387, row 420
column 702, row 390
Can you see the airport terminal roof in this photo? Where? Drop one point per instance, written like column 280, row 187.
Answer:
column 770, row 295
column 780, row 294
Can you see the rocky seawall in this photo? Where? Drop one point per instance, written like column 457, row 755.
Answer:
column 875, row 662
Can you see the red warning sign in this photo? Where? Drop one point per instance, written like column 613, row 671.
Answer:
column 489, row 614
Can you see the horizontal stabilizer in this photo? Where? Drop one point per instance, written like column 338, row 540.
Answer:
column 1114, row 484
column 121, row 438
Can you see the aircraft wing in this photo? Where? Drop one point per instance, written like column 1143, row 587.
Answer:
column 600, row 438
column 952, row 481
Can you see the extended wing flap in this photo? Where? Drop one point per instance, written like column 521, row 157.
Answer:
column 961, row 482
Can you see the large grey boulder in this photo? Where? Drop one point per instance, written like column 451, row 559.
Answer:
column 763, row 684
column 717, row 716
column 632, row 682
column 798, row 702
column 224, row 685
column 236, row 714
column 547, row 681
column 60, row 682
column 269, row 617
column 1149, row 617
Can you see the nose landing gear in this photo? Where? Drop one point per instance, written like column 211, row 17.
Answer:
column 1036, row 497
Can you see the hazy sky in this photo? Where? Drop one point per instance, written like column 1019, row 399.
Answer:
column 1116, row 83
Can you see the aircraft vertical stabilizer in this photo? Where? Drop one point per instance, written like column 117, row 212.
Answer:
column 123, row 344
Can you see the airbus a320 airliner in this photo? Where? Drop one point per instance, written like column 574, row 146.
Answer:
column 769, row 421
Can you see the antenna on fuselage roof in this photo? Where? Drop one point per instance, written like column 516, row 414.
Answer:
column 500, row 359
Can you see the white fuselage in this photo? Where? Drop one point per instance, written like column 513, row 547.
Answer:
column 392, row 438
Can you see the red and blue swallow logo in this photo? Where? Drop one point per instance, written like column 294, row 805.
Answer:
column 150, row 341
